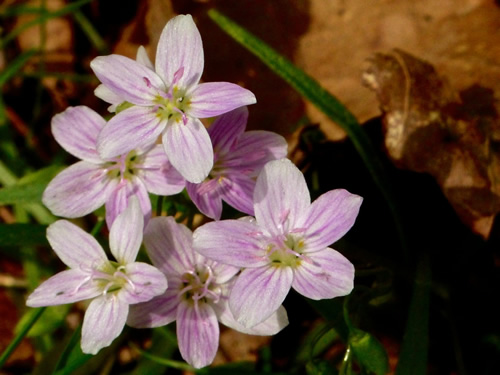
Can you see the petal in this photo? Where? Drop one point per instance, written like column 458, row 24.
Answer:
column 125, row 236
column 180, row 46
column 130, row 129
column 222, row 272
column 226, row 129
column 328, row 274
column 329, row 218
column 76, row 130
column 271, row 326
column 146, row 282
column 215, row 98
column 280, row 196
column 198, row 333
column 258, row 292
column 128, row 79
column 189, row 149
column 120, row 197
column 103, row 322
column 254, row 149
column 142, row 58
column 64, row 287
column 159, row 176
column 210, row 202
column 103, row 93
column 78, row 190
column 159, row 311
column 239, row 193
column 75, row 247
column 169, row 245
column 234, row 242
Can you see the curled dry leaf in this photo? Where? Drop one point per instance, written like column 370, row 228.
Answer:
column 455, row 137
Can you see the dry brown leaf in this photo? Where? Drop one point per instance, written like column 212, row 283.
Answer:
column 429, row 128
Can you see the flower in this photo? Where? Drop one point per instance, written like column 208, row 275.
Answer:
column 284, row 246
column 88, row 184
column 238, row 158
column 196, row 297
column 167, row 101
column 112, row 285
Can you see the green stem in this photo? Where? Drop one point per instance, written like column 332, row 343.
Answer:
column 164, row 361
column 19, row 337
column 159, row 206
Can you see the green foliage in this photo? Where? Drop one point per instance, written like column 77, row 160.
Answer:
column 20, row 234
column 369, row 352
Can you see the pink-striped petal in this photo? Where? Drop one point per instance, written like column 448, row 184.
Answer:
column 197, row 333
column 128, row 79
column 189, row 149
column 132, row 128
column 329, row 218
column 145, row 283
column 64, row 287
column 103, row 322
column 258, row 292
column 215, row 98
column 180, row 47
column 103, row 93
column 328, row 274
column 78, row 190
column 142, row 58
column 239, row 193
column 234, row 242
column 119, row 199
column 226, row 129
column 169, row 245
column 158, row 174
column 125, row 236
column 159, row 311
column 280, row 197
column 75, row 247
column 76, row 130
column 209, row 202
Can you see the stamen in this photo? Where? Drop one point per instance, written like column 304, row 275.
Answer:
column 147, row 81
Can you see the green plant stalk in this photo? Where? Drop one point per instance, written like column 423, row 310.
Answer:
column 321, row 98
column 413, row 355
column 91, row 32
column 18, row 338
column 15, row 65
column 164, row 361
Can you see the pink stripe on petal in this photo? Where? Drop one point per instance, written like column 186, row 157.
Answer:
column 130, row 129
column 169, row 245
column 64, row 287
column 209, row 203
column 234, row 242
column 280, row 197
column 128, row 79
column 76, row 130
column 215, row 98
column 75, row 247
column 189, row 149
column 239, row 193
column 146, row 282
column 226, row 129
column 103, row 322
column 258, row 293
column 197, row 333
column 125, row 236
column 180, row 46
column 329, row 218
column 328, row 275
column 159, row 311
column 78, row 190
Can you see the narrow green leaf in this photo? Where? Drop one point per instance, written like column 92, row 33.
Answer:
column 14, row 66
column 72, row 357
column 23, row 235
column 91, row 32
column 28, row 189
column 23, row 330
column 369, row 352
column 321, row 98
column 414, row 349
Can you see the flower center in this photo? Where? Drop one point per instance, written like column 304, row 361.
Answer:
column 124, row 167
column 174, row 103
column 286, row 251
column 200, row 286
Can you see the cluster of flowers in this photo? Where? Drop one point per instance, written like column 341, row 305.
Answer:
column 237, row 272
